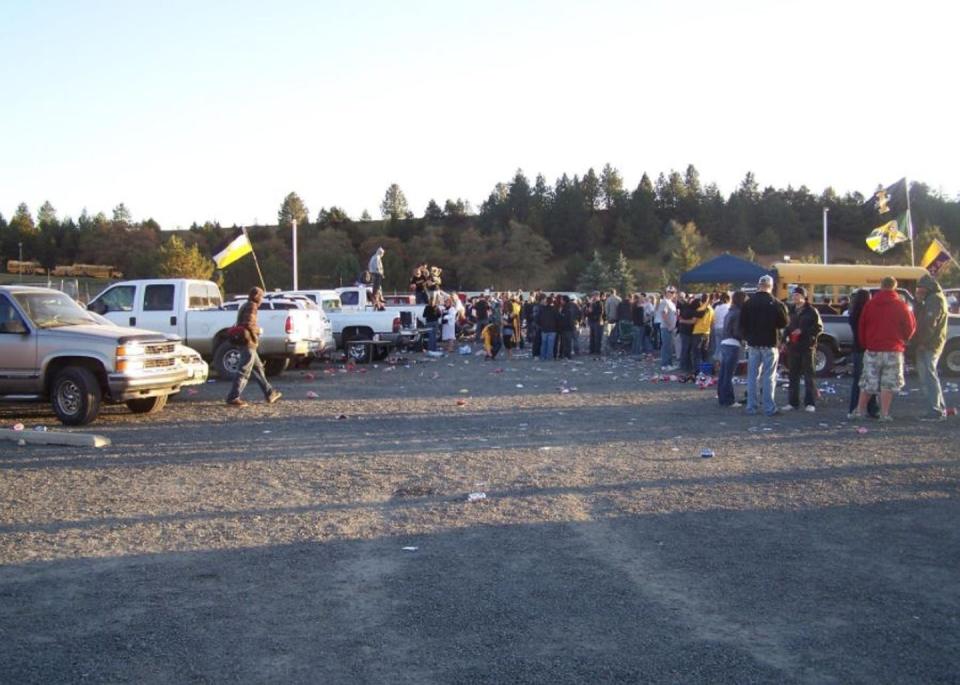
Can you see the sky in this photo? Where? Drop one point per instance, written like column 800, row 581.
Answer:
column 214, row 111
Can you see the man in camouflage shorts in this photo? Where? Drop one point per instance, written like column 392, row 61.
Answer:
column 882, row 371
column 885, row 326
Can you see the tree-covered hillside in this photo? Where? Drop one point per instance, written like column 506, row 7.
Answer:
column 524, row 235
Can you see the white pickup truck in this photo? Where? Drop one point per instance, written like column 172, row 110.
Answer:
column 356, row 322
column 192, row 310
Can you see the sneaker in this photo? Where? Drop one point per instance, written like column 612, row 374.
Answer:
column 810, row 409
column 237, row 403
column 855, row 415
column 274, row 396
column 775, row 412
column 787, row 407
column 935, row 417
column 737, row 404
column 886, row 418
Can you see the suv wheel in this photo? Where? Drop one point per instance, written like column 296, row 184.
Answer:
column 75, row 395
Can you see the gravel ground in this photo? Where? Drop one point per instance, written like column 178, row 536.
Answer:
column 329, row 538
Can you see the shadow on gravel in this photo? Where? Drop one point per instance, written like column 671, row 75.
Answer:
column 168, row 440
column 926, row 479
column 842, row 594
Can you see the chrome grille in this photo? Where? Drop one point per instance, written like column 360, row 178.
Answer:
column 160, row 348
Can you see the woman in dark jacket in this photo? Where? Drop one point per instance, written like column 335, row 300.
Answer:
column 730, row 345
column 432, row 314
column 859, row 299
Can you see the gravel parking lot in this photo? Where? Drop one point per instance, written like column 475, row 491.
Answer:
column 329, row 538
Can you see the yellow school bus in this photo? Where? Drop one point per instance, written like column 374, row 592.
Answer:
column 828, row 282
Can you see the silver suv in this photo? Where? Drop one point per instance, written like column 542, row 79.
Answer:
column 52, row 349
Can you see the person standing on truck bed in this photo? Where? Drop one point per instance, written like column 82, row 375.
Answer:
column 249, row 359
column 375, row 267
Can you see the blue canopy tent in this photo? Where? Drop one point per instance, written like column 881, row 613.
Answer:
column 725, row 269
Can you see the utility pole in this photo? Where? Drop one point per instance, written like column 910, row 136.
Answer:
column 825, row 211
column 296, row 266
column 20, row 263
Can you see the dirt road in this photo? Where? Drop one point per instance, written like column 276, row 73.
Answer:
column 286, row 544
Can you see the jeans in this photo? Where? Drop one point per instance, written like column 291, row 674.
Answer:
column 800, row 362
column 929, row 381
column 636, row 342
column 566, row 344
column 762, row 379
column 685, row 353
column 250, row 364
column 666, row 347
column 548, row 339
column 614, row 336
column 646, row 336
column 656, row 336
column 696, row 352
column 596, row 336
column 729, row 356
column 432, row 329
column 478, row 331
column 873, row 407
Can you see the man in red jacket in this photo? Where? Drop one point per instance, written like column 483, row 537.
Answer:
column 886, row 325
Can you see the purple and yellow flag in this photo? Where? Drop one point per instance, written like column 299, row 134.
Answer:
column 935, row 258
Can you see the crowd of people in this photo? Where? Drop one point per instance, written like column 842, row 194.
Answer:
column 712, row 334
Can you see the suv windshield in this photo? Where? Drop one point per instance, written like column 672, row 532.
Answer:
column 49, row 310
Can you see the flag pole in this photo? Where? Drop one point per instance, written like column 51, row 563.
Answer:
column 906, row 182
column 255, row 262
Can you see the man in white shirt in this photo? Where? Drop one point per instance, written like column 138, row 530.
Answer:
column 719, row 316
column 668, row 326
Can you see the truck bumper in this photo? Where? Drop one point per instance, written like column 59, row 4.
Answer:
column 302, row 348
column 123, row 388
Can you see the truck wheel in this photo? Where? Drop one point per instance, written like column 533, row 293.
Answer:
column 950, row 361
column 823, row 360
column 147, row 405
column 75, row 395
column 357, row 352
column 274, row 366
column 226, row 360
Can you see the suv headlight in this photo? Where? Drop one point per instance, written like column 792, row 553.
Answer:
column 130, row 358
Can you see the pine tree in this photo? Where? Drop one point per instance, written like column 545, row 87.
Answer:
column 394, row 205
column 621, row 276
column 596, row 276
column 292, row 209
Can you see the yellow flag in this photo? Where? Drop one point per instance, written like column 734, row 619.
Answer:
column 238, row 247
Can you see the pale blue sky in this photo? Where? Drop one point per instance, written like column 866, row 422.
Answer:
column 195, row 111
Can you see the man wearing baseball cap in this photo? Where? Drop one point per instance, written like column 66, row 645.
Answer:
column 667, row 310
column 761, row 320
column 803, row 331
